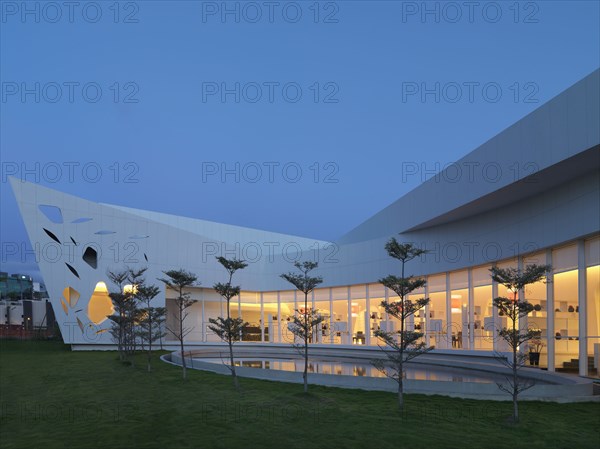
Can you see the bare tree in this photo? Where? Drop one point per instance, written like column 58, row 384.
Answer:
column 401, row 346
column 515, row 309
column 179, row 280
column 229, row 329
column 304, row 320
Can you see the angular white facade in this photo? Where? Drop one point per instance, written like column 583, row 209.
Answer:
column 530, row 193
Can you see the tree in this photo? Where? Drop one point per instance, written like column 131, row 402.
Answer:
column 401, row 346
column 179, row 280
column 160, row 326
column 135, row 280
column 126, row 317
column 122, row 303
column 304, row 320
column 515, row 309
column 229, row 329
column 150, row 318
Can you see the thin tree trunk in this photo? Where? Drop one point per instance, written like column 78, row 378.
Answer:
column 306, row 342
column 400, row 393
column 181, row 336
column 515, row 390
column 160, row 329
column 305, row 376
column 236, row 382
column 401, row 385
column 121, row 338
column 515, row 377
column 149, row 339
column 132, row 346
column 401, row 371
column 183, row 360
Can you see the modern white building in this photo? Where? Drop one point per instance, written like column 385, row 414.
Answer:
column 529, row 194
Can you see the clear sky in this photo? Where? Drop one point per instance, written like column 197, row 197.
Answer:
column 162, row 96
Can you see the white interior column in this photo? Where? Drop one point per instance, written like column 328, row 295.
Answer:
column 221, row 304
column 582, row 294
column 387, row 298
column 448, row 312
column 331, row 317
column 317, row 330
column 495, row 337
column 471, row 325
column 368, row 312
column 262, row 319
column 296, row 309
column 203, row 322
column 550, row 313
column 349, row 326
column 427, row 319
column 278, row 316
column 523, row 321
column 464, row 341
column 295, row 301
column 240, row 312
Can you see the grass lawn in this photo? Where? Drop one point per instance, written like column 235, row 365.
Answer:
column 54, row 398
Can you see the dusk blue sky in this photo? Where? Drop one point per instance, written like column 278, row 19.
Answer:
column 364, row 59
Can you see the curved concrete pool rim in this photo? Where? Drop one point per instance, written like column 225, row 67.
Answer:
column 560, row 387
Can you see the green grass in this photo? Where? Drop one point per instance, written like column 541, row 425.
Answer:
column 54, row 398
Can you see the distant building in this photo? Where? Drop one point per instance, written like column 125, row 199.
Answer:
column 24, row 304
column 39, row 291
column 20, row 286
column 27, row 314
column 16, row 286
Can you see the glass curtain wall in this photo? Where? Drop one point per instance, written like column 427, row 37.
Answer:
column 502, row 321
column 418, row 322
column 483, row 314
column 270, row 318
column 287, row 312
column 358, row 313
column 538, row 318
column 460, row 317
column 459, row 309
column 438, row 323
column 322, row 305
column 250, row 312
column 340, row 325
column 592, row 250
column 566, row 308
column 377, row 314
column 213, row 307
